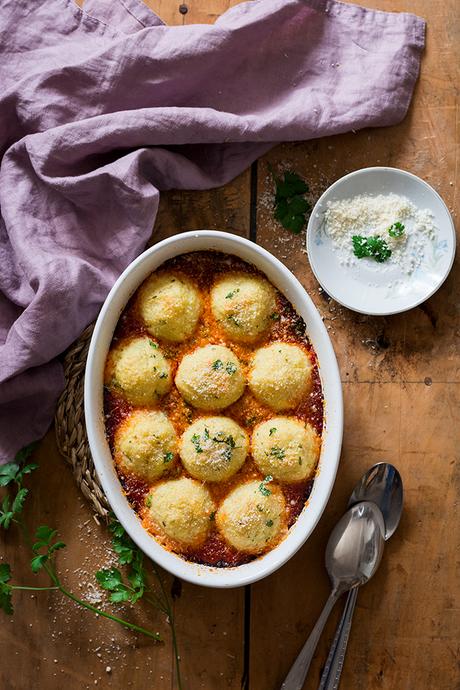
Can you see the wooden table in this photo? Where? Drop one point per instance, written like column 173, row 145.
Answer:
column 401, row 383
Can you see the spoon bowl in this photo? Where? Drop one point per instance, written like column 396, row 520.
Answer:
column 355, row 546
column 382, row 484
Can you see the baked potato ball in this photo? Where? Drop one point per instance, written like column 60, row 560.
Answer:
column 210, row 378
column 213, row 448
column 182, row 509
column 145, row 444
column 251, row 518
column 170, row 306
column 280, row 375
column 285, row 448
column 137, row 370
column 244, row 305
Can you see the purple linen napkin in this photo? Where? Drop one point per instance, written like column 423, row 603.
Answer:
column 99, row 110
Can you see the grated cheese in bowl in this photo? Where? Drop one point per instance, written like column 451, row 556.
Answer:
column 368, row 215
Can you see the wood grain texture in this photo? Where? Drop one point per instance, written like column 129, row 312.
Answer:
column 401, row 380
column 49, row 643
column 66, row 647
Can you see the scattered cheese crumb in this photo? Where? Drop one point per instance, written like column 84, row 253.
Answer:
column 368, row 215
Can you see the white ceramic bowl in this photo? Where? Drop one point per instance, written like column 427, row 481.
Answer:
column 381, row 289
column 116, row 301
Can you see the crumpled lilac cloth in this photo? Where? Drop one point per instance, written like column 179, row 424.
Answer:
column 101, row 109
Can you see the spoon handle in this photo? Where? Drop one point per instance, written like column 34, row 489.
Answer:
column 299, row 669
column 333, row 648
column 332, row 671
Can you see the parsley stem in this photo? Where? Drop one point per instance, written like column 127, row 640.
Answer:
column 33, row 589
column 156, row 602
column 171, row 624
column 48, row 567
column 52, row 573
column 176, row 650
column 121, row 621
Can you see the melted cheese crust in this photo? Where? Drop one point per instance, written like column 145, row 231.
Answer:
column 204, row 270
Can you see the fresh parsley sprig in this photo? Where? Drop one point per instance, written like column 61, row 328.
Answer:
column 376, row 247
column 128, row 588
column 373, row 247
column 44, row 535
column 129, row 555
column 263, row 485
column 291, row 206
column 137, row 586
column 396, row 230
column 13, row 473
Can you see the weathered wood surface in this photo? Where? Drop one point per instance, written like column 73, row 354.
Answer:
column 401, row 378
column 402, row 394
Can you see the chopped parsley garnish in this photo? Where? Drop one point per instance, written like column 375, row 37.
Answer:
column 262, row 486
column 148, row 501
column 163, row 375
column 221, row 438
column 396, row 230
column 230, row 368
column 234, row 320
column 373, row 247
column 196, row 443
column 299, row 327
column 218, row 438
column 275, row 316
column 212, row 517
column 232, row 293
column 227, row 453
column 269, row 523
column 277, row 452
column 230, row 441
column 272, row 430
column 291, row 207
column 152, row 344
column 167, row 457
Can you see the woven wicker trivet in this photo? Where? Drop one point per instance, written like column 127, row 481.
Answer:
column 70, row 425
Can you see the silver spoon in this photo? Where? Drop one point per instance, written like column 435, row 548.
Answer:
column 353, row 554
column 381, row 484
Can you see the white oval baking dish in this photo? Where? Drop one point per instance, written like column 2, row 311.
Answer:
column 113, row 306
